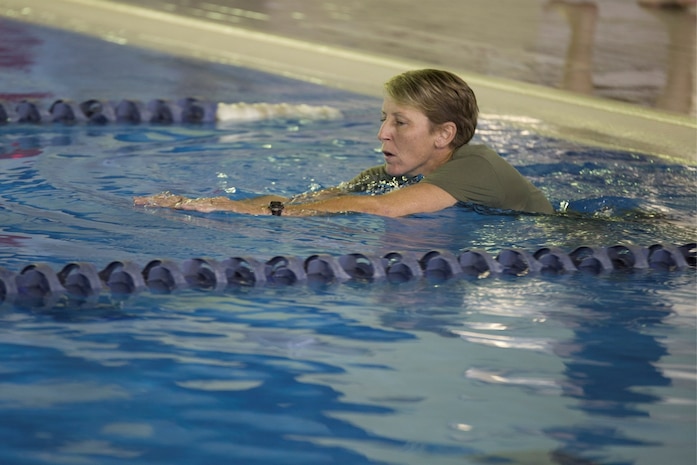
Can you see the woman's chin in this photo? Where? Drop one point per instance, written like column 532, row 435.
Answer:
column 393, row 170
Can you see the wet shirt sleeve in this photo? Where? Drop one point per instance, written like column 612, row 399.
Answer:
column 470, row 179
column 376, row 181
column 367, row 178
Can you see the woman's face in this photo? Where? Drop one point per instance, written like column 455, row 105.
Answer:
column 408, row 141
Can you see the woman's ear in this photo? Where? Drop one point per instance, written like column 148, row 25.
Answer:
column 445, row 134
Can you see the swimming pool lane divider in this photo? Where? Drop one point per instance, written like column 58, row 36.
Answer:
column 80, row 283
column 156, row 111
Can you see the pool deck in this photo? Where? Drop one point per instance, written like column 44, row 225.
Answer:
column 528, row 60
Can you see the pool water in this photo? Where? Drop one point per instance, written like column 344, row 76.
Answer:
column 578, row 368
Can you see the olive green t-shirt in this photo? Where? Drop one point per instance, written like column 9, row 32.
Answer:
column 474, row 174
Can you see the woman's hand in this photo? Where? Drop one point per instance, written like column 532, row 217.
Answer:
column 210, row 204
column 203, row 205
column 164, row 200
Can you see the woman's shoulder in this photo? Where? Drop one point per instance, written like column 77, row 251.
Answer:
column 475, row 150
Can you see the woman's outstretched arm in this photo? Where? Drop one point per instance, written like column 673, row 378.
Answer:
column 417, row 198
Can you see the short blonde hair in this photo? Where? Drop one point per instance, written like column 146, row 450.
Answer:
column 441, row 95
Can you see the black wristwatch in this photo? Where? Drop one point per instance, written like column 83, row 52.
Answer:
column 276, row 208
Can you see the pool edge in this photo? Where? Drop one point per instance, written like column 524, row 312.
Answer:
column 552, row 112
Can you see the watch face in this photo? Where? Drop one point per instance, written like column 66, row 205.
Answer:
column 276, row 208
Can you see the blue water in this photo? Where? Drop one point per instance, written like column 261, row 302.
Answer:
column 576, row 368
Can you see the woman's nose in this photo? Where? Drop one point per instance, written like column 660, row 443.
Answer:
column 382, row 132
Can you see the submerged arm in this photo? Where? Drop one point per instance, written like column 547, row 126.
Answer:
column 417, row 198
column 210, row 204
column 265, row 200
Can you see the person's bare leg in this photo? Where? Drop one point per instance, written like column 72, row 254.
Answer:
column 578, row 67
column 680, row 25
